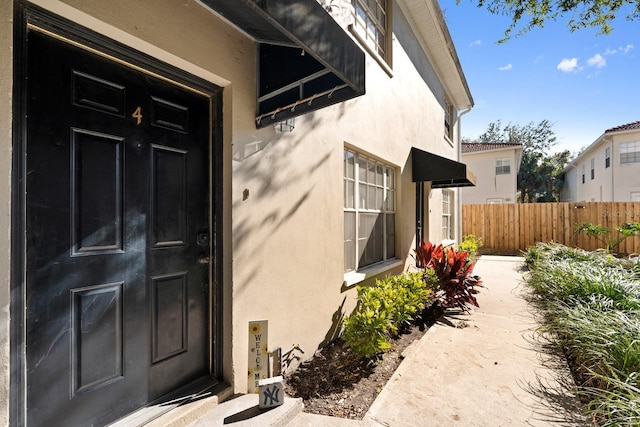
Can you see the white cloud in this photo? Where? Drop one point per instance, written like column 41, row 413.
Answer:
column 506, row 67
column 597, row 61
column 622, row 49
column 568, row 65
column 475, row 43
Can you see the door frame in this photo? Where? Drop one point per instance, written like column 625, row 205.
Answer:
column 25, row 15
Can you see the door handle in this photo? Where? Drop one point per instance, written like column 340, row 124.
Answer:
column 204, row 259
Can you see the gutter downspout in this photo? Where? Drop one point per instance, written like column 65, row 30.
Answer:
column 459, row 198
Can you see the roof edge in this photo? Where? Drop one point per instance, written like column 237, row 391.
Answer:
column 433, row 35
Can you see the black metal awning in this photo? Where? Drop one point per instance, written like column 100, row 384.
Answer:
column 306, row 60
column 440, row 171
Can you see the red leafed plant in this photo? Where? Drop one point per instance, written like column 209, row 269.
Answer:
column 453, row 270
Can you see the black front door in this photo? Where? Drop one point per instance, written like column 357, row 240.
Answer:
column 117, row 218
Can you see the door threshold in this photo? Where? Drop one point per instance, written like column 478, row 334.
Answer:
column 185, row 402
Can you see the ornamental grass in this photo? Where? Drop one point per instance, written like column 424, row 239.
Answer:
column 591, row 308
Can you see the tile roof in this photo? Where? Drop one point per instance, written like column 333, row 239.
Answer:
column 628, row 126
column 473, row 147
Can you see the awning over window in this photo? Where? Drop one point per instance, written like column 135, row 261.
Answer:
column 440, row 171
column 306, row 60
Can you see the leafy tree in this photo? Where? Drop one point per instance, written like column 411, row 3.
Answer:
column 551, row 166
column 493, row 133
column 539, row 177
column 583, row 13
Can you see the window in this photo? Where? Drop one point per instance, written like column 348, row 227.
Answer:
column 370, row 22
column 369, row 211
column 447, row 201
column 630, row 152
column 582, row 170
column 607, row 157
column 448, row 119
column 593, row 168
column 503, row 167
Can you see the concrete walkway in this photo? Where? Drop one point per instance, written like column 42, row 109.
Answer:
column 482, row 369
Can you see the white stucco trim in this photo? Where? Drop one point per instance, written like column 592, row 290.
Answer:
column 354, row 277
column 427, row 22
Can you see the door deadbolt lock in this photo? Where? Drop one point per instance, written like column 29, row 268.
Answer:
column 203, row 238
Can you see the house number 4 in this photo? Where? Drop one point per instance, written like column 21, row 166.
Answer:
column 137, row 114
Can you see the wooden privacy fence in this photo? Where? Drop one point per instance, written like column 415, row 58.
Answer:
column 514, row 227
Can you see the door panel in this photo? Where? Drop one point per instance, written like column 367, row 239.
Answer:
column 168, row 191
column 96, row 192
column 117, row 193
column 97, row 340
column 169, row 316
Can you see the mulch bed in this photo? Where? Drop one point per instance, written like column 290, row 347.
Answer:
column 337, row 383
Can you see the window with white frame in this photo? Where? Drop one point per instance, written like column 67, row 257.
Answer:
column 582, row 170
column 607, row 157
column 503, row 166
column 370, row 22
column 369, row 211
column 447, row 214
column 448, row 119
column 630, row 152
column 593, row 168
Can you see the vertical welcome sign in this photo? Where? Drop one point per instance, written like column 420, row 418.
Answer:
column 258, row 354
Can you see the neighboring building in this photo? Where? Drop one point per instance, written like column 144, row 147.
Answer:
column 496, row 166
column 608, row 170
column 154, row 206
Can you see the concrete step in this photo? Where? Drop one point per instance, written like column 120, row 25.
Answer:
column 180, row 407
column 243, row 411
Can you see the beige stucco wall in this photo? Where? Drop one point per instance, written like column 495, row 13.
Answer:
column 618, row 183
column 626, row 179
column 6, row 70
column 599, row 188
column 489, row 185
column 283, row 193
column 288, row 235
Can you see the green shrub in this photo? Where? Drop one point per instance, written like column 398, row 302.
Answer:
column 382, row 310
column 408, row 295
column 601, row 234
column 470, row 243
column 366, row 332
column 431, row 281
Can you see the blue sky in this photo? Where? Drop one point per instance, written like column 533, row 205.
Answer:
column 581, row 82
